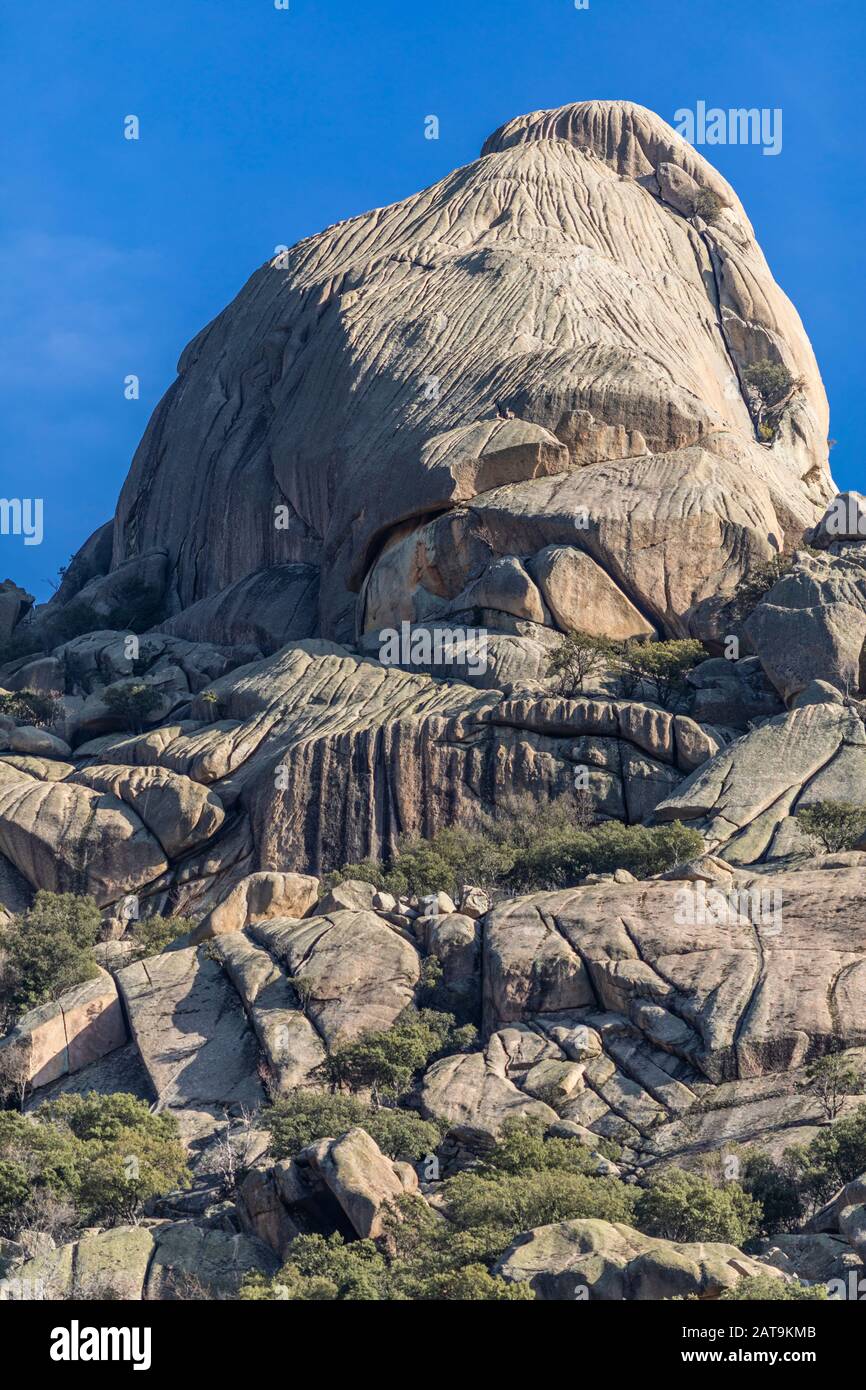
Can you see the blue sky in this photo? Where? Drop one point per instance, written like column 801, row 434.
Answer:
column 259, row 126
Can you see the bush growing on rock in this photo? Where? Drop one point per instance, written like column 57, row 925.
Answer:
column 577, row 657
column 45, row 951
column 137, row 607
column 150, row 935
column 509, row 1203
column 422, row 1265
column 385, row 1063
column 132, row 701
column 832, row 1078
column 757, row 583
column 764, row 1288
column 29, row 707
column 74, row 619
column 685, row 1207
column 771, row 380
column 662, row 665
column 564, row 859
column 707, row 204
column 775, row 1188
column 833, row 1158
column 300, row 1119
column 528, row 847
column 808, row 1175
column 836, row 825
column 522, row 1147
column 105, row 1156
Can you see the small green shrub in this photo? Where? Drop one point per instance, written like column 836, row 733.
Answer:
column 839, row 1151
column 764, row 1288
column 563, row 860
column 74, row 619
column 836, row 825
column 385, row 1063
column 136, row 608
column 577, row 657
column 47, row 950
column 662, row 665
column 132, row 701
column 522, row 1148
column 684, row 1206
column 707, row 204
column 757, row 583
column 510, row 1203
column 771, row 380
column 327, row 1269
column 529, row 845
column 105, row 1155
column 775, row 1188
column 29, row 707
column 300, row 1119
column 152, row 934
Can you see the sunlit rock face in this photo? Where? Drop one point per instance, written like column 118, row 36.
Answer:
column 546, row 349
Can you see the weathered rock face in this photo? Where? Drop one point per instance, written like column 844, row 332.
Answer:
column 156, row 1260
column 734, row 985
column 83, row 1025
column 812, row 623
column 15, row 602
column 545, row 349
column 744, row 799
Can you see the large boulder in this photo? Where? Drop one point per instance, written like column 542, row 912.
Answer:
column 15, row 602
column 73, row 839
column 178, row 812
column 357, row 972
column 258, row 898
column 562, row 363
column 744, row 799
column 737, row 982
column 193, row 1037
column 84, row 1024
column 812, row 623
column 601, row 1261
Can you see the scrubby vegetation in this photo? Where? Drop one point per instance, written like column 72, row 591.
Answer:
column 527, row 1180
column 686, row 1206
column 132, row 701
column 808, row 1175
column 707, row 204
column 771, row 380
column 29, row 707
column 150, row 935
column 577, row 657
column 662, row 666
column 45, row 951
column 49, row 948
column 527, row 846
column 765, row 1288
column 836, row 825
column 83, row 1160
column 385, row 1063
column 137, row 607
column 305, row 1116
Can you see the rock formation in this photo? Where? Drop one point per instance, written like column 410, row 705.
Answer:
column 519, row 403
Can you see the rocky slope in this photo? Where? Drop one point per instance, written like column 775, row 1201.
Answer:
column 518, row 402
